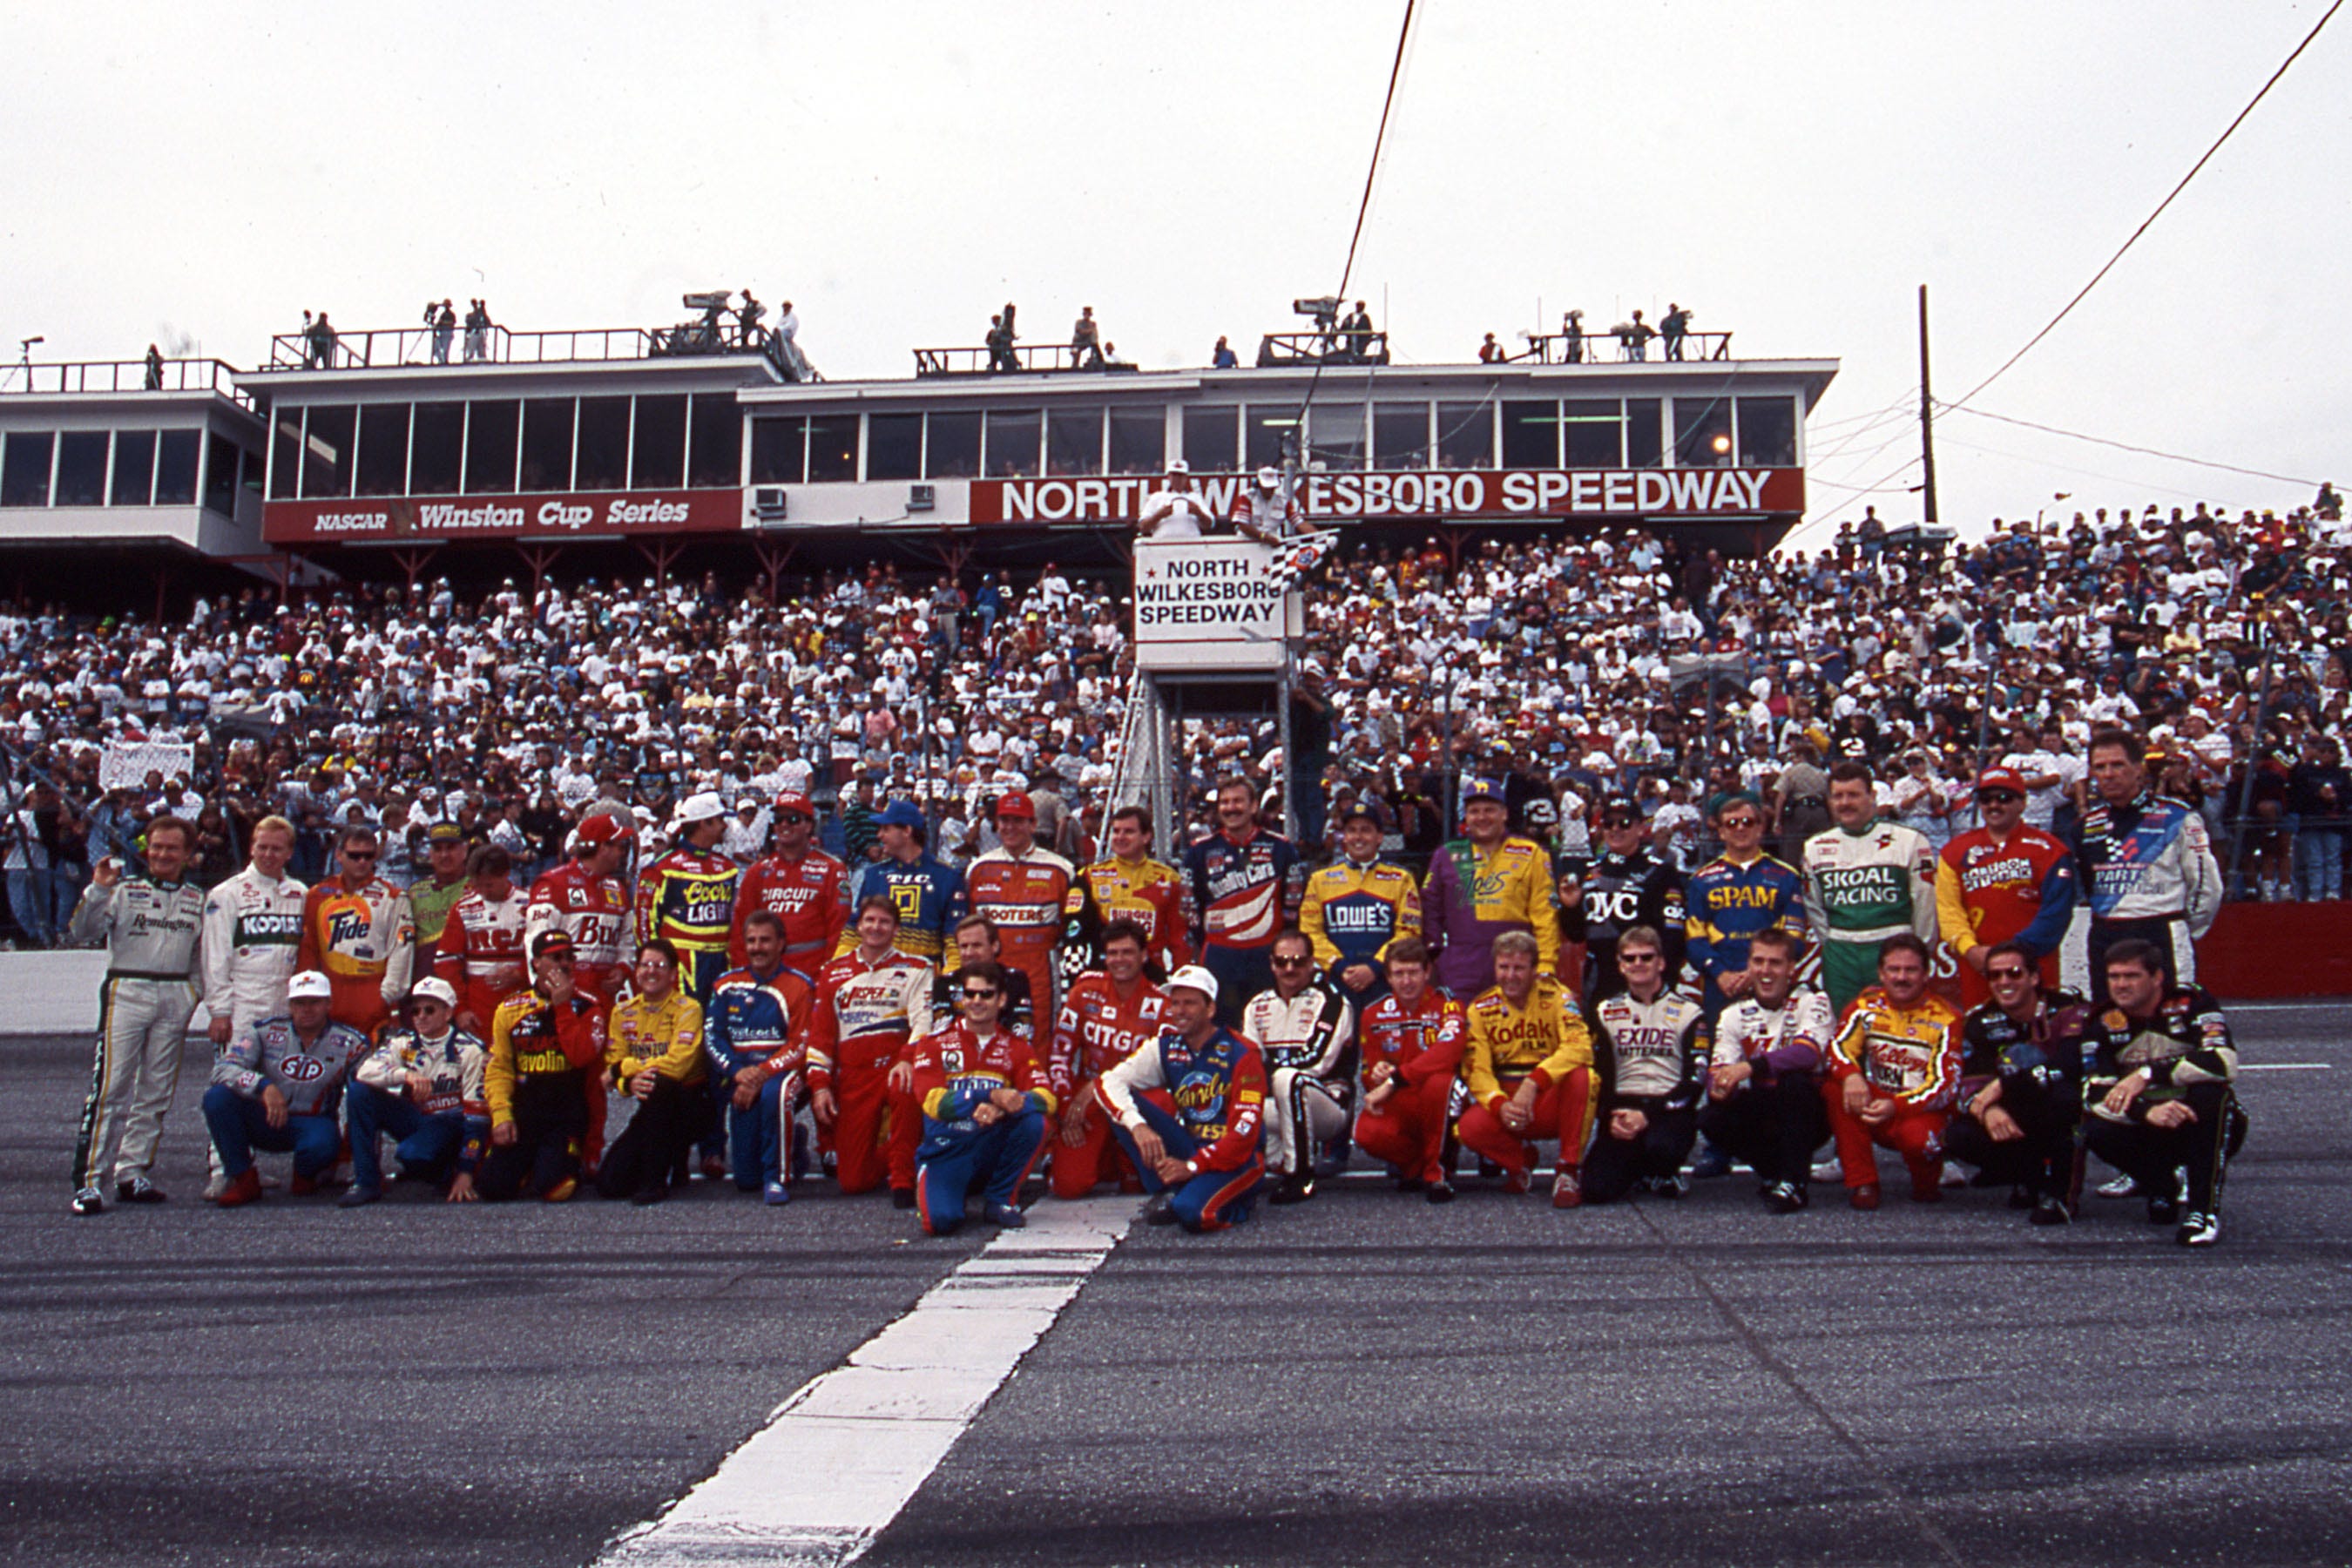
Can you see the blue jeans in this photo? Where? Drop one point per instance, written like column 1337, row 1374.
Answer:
column 425, row 1142
column 239, row 1126
column 756, row 1138
column 996, row 1158
column 29, row 900
column 1213, row 1200
column 2319, row 864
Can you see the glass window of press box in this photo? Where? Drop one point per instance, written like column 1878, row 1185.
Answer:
column 116, row 468
column 499, row 446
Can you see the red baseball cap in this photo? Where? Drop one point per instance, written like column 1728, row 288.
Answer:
column 604, row 829
column 1016, row 803
column 2001, row 778
column 792, row 800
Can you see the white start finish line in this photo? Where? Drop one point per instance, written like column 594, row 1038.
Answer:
column 837, row 1460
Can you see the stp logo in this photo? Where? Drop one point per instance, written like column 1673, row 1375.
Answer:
column 302, row 1070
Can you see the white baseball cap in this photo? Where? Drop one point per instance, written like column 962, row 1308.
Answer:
column 433, row 988
column 1194, row 977
column 705, row 806
column 317, row 986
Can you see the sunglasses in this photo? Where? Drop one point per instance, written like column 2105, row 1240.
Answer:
column 2006, row 973
column 975, row 993
column 1999, row 796
column 1641, row 958
column 1742, row 822
column 1292, row 962
column 359, row 854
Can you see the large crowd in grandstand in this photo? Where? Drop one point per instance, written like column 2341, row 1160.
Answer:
column 558, row 847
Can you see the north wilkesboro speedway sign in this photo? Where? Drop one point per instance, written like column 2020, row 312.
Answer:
column 1211, row 604
column 1696, row 494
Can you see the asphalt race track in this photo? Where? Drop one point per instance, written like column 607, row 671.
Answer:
column 1364, row 1380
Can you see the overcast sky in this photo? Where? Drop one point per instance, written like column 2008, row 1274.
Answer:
column 1793, row 174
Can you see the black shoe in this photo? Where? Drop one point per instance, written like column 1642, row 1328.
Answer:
column 137, row 1190
column 359, row 1197
column 1160, row 1211
column 1785, row 1197
column 88, row 1201
column 1488, row 1169
column 2020, row 1197
column 1668, row 1187
column 1410, row 1184
column 2050, row 1211
column 1296, row 1188
column 902, row 1197
column 645, row 1195
column 1441, row 1191
column 2198, row 1228
column 2163, row 1211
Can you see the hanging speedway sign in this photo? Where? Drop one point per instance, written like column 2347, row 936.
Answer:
column 1406, row 495
column 453, row 517
column 1212, row 604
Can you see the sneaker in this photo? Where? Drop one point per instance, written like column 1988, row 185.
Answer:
column 1519, row 1183
column 88, row 1201
column 1829, row 1170
column 1005, row 1216
column 1786, row 1197
column 562, row 1192
column 776, row 1194
column 1441, row 1191
column 2050, row 1211
column 1865, row 1197
column 1567, row 1191
column 2121, row 1187
column 1294, row 1188
column 902, row 1197
column 137, row 1190
column 1953, row 1176
column 359, row 1197
column 1711, row 1164
column 1671, row 1187
column 1158, row 1211
column 2198, row 1228
column 215, row 1188
column 241, row 1189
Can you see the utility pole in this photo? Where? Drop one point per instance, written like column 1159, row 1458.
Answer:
column 1927, row 417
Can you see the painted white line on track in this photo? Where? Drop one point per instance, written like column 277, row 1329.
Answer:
column 2286, row 1066
column 838, row 1459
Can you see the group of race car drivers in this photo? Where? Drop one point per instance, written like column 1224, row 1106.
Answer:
column 1210, row 1034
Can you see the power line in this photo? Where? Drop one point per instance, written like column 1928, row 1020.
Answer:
column 1364, row 203
column 1379, row 137
column 2143, row 451
column 2159, row 212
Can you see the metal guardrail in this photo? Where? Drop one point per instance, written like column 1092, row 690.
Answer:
column 1336, row 346
column 116, row 376
column 1607, row 345
column 1033, row 358
column 383, row 347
